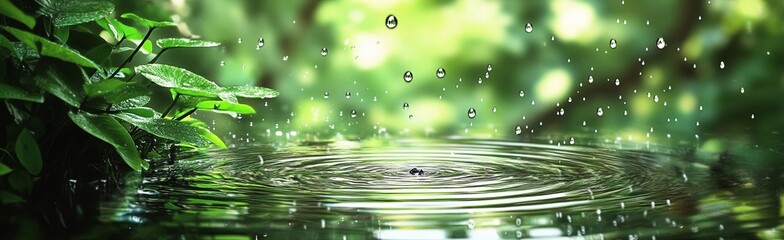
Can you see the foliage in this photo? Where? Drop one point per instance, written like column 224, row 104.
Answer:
column 59, row 79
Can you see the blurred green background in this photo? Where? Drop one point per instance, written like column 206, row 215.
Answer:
column 719, row 75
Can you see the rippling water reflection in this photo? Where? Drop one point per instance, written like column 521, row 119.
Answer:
column 470, row 189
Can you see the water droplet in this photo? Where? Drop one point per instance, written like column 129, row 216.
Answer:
column 471, row 113
column 561, row 112
column 471, row 224
column 405, row 106
column 518, row 130
column 353, row 113
column 260, row 44
column 617, row 82
column 223, row 63
column 494, row 109
column 348, row 95
column 721, row 64
column 391, row 21
column 590, row 79
column 489, row 67
column 522, row 94
column 324, row 52
column 326, row 95
column 660, row 43
column 440, row 73
column 529, row 28
column 656, row 98
column 487, row 75
column 742, row 90
column 408, row 76
column 571, row 141
column 286, row 58
column 752, row 116
column 410, row 116
column 613, row 43
column 599, row 112
column 239, row 40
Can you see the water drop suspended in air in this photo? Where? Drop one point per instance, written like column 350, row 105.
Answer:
column 440, row 73
column 405, row 106
column 599, row 112
column 222, row 63
column 471, row 113
column 660, row 43
column 489, row 68
column 518, row 130
column 326, row 95
column 239, row 40
column 613, row 43
column 721, row 64
column 324, row 52
column 742, row 90
column 353, row 113
column 285, row 58
column 408, row 76
column 260, row 44
column 391, row 21
column 522, row 94
column 617, row 82
column 571, row 141
column 348, row 95
column 529, row 28
column 590, row 79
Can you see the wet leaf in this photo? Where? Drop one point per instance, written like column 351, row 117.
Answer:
column 251, row 91
column 181, row 80
column 28, row 153
column 112, row 26
column 165, row 128
column 63, row 81
column 109, row 130
column 4, row 169
column 226, row 106
column 114, row 91
column 69, row 12
column 8, row 9
column 144, row 112
column 146, row 22
column 184, row 43
column 214, row 139
column 10, row 198
column 12, row 92
column 51, row 49
column 130, row 103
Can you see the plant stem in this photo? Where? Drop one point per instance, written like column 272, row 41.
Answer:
column 176, row 97
column 120, row 41
column 186, row 114
column 159, row 55
column 127, row 60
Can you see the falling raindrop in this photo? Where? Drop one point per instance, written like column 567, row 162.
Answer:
column 440, row 73
column 656, row 98
column 326, row 95
column 571, row 141
column 405, row 106
column 660, row 43
column 286, row 58
column 742, row 90
column 518, row 130
column 223, row 63
column 260, row 44
column 408, row 76
column 617, row 82
column 494, row 109
column 522, row 94
column 489, row 67
column 239, row 40
column 613, row 43
column 353, row 113
column 599, row 112
column 487, row 75
column 324, row 52
column 391, row 21
column 348, row 95
column 471, row 113
column 590, row 79
column 529, row 28
column 721, row 64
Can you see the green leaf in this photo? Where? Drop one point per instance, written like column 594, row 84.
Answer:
column 114, row 91
column 130, row 103
column 63, row 81
column 20, row 181
column 10, row 198
column 165, row 128
column 51, row 49
column 4, row 169
column 24, row 53
column 63, row 33
column 69, row 12
column 109, row 130
column 251, row 92
column 181, row 80
column 146, row 22
column 8, row 9
column 144, row 112
column 111, row 25
column 214, row 139
column 99, row 54
column 166, row 43
column 28, row 153
column 226, row 106
column 12, row 92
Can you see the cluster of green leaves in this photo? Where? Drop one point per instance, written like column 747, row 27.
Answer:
column 44, row 70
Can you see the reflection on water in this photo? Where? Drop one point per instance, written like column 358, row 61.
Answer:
column 470, row 189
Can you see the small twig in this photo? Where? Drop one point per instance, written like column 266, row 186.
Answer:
column 186, row 114
column 127, row 60
column 176, row 97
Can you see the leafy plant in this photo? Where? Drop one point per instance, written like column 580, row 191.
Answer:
column 58, row 82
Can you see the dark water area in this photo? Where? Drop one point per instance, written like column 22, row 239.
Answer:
column 469, row 189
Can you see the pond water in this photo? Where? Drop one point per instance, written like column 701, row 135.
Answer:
column 470, row 189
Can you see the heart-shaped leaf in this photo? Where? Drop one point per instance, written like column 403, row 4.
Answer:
column 114, row 91
column 8, row 9
column 165, row 128
column 51, row 49
column 182, row 81
column 12, row 92
column 28, row 153
column 146, row 22
column 251, row 92
column 109, row 130
column 62, row 80
column 226, row 106
column 69, row 12
column 184, row 43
